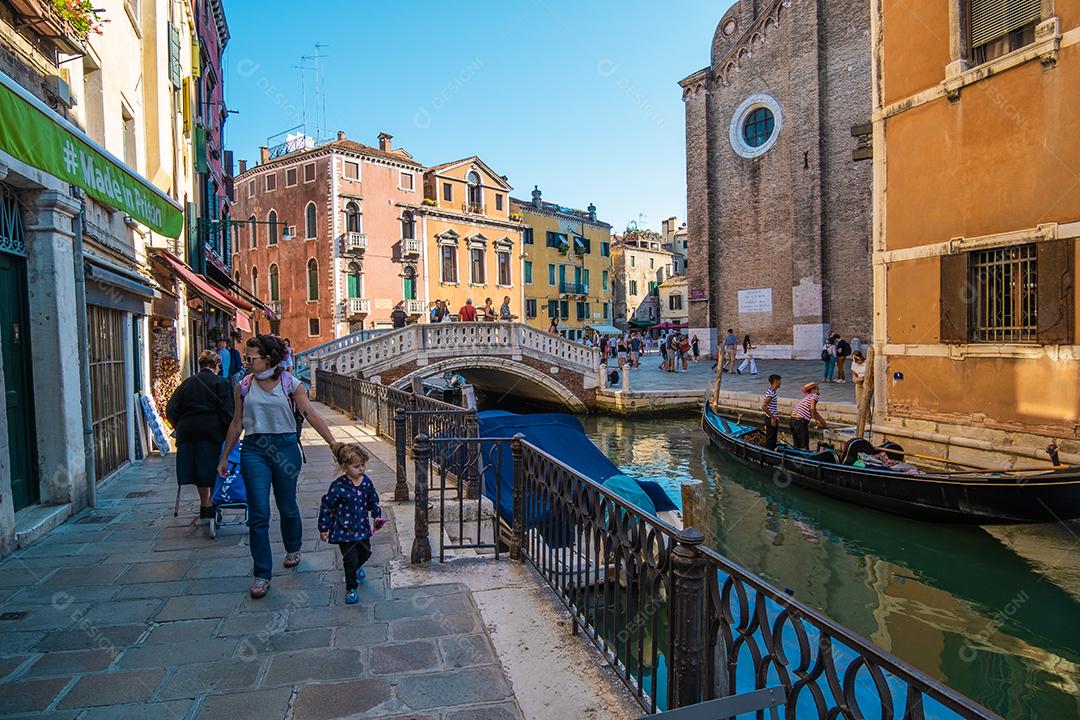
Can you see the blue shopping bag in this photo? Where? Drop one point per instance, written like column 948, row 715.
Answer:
column 230, row 490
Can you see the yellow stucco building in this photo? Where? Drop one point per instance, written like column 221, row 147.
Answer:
column 470, row 246
column 566, row 266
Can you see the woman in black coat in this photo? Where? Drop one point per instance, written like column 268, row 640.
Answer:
column 200, row 411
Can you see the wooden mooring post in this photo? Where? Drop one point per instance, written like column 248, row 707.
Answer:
column 401, row 488
column 421, row 548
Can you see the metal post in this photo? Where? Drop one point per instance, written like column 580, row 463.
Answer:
column 352, row 399
column 517, row 542
column 401, row 490
column 313, row 372
column 472, row 466
column 686, row 673
column 421, row 549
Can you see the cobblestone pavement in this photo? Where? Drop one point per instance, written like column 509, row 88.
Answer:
column 128, row 612
column 700, row 376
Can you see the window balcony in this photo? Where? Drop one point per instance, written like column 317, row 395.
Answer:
column 46, row 21
column 357, row 306
column 473, row 208
column 410, row 247
column 414, row 307
column 572, row 288
column 354, row 243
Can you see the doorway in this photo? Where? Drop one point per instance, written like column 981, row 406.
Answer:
column 108, row 388
column 18, row 382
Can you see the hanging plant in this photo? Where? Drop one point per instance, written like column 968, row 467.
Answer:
column 80, row 14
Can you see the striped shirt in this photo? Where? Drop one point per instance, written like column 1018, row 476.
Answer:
column 802, row 410
column 771, row 402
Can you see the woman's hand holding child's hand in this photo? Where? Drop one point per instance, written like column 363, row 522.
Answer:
column 324, row 536
column 379, row 522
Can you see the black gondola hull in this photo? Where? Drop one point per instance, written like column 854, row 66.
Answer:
column 983, row 499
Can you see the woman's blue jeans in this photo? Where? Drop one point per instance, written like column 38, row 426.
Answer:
column 830, row 367
column 271, row 461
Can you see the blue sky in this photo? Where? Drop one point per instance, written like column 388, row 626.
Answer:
column 579, row 98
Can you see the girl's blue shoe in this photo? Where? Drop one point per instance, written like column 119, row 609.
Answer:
column 360, row 575
column 351, row 598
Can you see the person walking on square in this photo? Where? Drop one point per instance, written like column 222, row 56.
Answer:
column 635, row 351
column 695, row 348
column 200, row 410
column 803, row 413
column 843, row 351
column 266, row 402
column 343, row 515
column 828, row 356
column 730, row 343
column 771, row 407
column 684, row 352
column 748, row 357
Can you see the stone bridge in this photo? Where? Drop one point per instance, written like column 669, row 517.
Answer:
column 496, row 358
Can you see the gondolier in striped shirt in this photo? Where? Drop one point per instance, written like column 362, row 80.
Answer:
column 803, row 413
column 770, row 406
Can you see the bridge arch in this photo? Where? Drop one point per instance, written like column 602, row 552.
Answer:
column 550, row 389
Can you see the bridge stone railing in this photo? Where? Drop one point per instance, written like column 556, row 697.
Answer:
column 302, row 360
column 422, row 343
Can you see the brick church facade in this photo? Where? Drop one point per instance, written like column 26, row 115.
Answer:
column 778, row 176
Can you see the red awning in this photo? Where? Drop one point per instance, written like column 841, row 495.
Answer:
column 198, row 283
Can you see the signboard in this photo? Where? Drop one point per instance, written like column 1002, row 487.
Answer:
column 697, row 294
column 755, row 301
column 36, row 135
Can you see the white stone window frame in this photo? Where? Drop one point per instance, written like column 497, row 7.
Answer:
column 738, row 121
column 449, row 239
column 402, row 174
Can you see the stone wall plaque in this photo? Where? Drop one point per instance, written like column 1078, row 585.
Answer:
column 758, row 300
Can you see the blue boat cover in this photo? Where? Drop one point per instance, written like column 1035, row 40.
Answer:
column 560, row 435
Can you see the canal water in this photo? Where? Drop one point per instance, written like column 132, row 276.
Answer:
column 992, row 612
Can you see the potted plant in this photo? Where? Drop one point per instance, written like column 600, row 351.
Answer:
column 430, row 202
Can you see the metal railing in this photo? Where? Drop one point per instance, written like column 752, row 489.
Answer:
column 573, row 288
column 641, row 589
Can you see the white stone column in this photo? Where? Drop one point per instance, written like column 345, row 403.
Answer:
column 54, row 337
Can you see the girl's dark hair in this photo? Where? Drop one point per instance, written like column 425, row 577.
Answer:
column 745, row 342
column 271, row 347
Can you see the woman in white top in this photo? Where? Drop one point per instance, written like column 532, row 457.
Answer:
column 267, row 400
column 748, row 357
column 858, row 374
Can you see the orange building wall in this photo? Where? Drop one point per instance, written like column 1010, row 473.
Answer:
column 916, row 45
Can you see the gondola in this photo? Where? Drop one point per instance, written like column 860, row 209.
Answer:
column 962, row 497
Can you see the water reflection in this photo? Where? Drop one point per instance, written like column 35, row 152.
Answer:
column 953, row 601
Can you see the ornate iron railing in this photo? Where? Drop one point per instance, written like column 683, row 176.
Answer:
column 681, row 624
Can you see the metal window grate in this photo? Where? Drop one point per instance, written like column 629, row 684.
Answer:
column 107, row 389
column 992, row 19
column 1004, row 282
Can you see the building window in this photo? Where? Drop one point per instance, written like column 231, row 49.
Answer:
column 527, row 236
column 312, row 280
column 254, row 227
column 652, row 263
column 503, row 260
column 553, row 308
column 607, row 311
column 758, row 127
column 633, row 287
column 633, row 262
column 311, row 225
column 476, row 191
column 255, row 281
column 251, row 188
column 528, row 272
column 130, row 154
column 605, row 249
column 755, row 126
column 270, row 180
column 557, row 240
column 309, row 172
column 408, row 226
column 272, row 228
column 352, row 170
column 604, row 280
column 1006, row 294
column 313, row 327
column 674, row 302
column 352, row 218
column 290, row 177
column 448, row 262
column 498, row 201
column 476, row 266
column 564, row 309
column 236, row 277
column 582, row 310
column 998, row 28
column 530, row 308
column 408, row 283
column 353, row 281
column 447, row 192
column 275, row 286
column 551, row 275
column 406, row 181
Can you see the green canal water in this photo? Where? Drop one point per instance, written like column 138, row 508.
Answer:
column 992, row 612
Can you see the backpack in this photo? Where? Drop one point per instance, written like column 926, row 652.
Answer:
column 288, row 385
column 825, row 354
column 843, row 349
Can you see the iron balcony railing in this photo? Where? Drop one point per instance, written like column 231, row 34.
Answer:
column 573, row 288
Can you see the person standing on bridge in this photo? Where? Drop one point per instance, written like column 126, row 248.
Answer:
column 398, row 317
column 489, row 311
column 467, row 313
column 504, row 312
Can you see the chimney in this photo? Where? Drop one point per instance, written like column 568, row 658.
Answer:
column 386, row 143
column 340, row 134
column 537, row 201
column 243, row 166
column 264, row 155
column 592, row 213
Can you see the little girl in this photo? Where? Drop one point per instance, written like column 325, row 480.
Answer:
column 343, row 516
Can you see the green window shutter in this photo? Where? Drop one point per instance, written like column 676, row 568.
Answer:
column 528, row 271
column 200, row 150
column 551, row 274
column 174, row 56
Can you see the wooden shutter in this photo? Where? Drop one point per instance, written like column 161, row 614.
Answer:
column 1057, row 292
column 174, row 56
column 955, row 295
column 992, row 19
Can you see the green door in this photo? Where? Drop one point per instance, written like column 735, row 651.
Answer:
column 18, row 386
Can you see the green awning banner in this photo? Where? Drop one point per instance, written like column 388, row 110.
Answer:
column 36, row 135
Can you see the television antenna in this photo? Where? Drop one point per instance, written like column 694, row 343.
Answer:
column 319, row 91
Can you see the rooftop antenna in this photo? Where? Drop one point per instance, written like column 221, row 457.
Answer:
column 320, row 96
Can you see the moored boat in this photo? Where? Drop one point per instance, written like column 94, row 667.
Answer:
column 968, row 496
